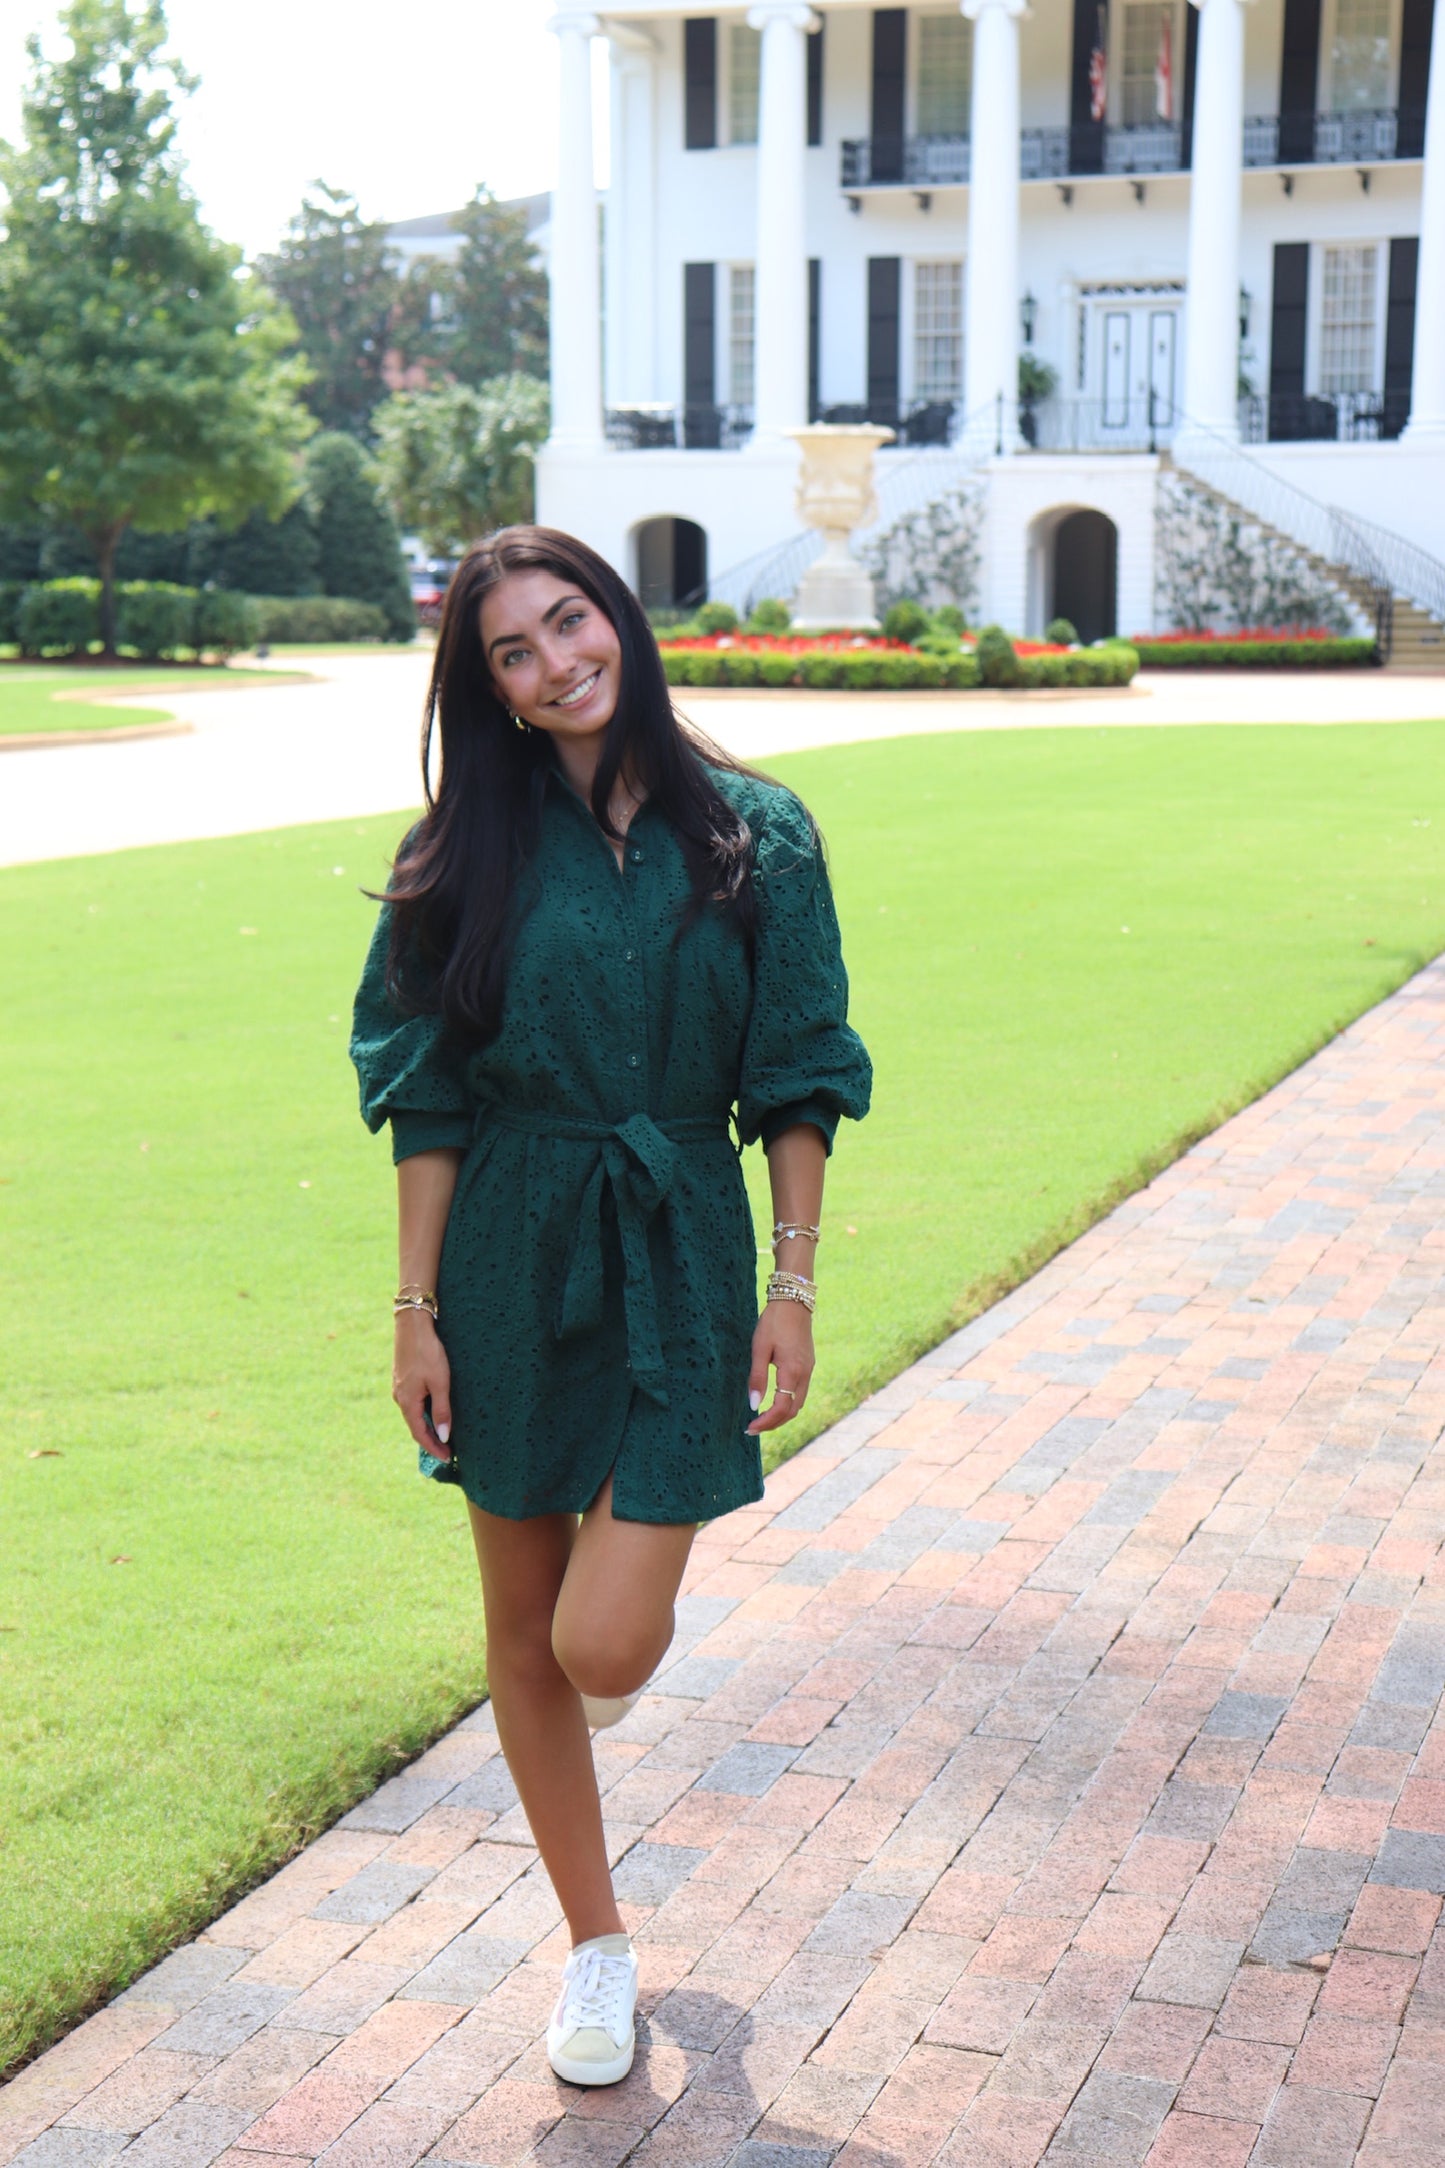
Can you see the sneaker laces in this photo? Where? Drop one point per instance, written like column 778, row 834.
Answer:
column 596, row 1993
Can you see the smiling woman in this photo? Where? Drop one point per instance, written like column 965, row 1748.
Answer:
column 602, row 943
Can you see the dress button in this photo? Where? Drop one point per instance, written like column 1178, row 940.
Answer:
column 634, row 1061
column 628, row 955
column 635, row 855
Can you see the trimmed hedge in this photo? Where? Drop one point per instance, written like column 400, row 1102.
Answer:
column 58, row 617
column 835, row 671
column 313, row 620
column 1331, row 654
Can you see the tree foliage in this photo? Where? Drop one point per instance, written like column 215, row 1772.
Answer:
column 341, row 281
column 457, row 462
column 483, row 314
column 143, row 380
column 359, row 552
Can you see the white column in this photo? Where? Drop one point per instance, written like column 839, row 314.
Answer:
column 780, row 338
column 1427, row 382
column 1211, row 302
column 991, row 271
column 630, row 257
column 576, row 296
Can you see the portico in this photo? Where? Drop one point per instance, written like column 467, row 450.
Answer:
column 792, row 233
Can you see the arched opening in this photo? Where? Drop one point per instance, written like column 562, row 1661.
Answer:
column 1085, row 574
column 671, row 563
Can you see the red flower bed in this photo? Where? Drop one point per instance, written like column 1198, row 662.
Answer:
column 785, row 643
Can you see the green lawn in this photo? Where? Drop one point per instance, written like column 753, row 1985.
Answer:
column 226, row 1603
column 52, row 696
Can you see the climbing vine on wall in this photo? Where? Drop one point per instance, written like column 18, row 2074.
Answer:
column 930, row 555
column 1215, row 570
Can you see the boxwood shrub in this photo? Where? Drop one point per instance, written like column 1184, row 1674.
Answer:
column 10, row 594
column 315, row 619
column 1284, row 654
column 226, row 621
column 156, row 618
column 58, row 617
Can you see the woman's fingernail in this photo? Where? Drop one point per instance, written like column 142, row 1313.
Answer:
column 755, row 1401
column 444, row 1431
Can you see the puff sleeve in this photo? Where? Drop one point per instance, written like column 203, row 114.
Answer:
column 409, row 1070
column 801, row 1060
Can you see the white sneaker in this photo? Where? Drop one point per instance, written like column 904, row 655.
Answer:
column 590, row 2040
column 602, row 1711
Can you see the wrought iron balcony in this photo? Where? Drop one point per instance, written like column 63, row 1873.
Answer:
column 1369, row 137
column 693, row 428
column 921, row 421
column 1341, row 417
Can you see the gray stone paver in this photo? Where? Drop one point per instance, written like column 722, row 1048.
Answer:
column 1051, row 1768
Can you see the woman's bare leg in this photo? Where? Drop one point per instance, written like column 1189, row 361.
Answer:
column 539, row 1711
column 570, row 1610
column 614, row 1615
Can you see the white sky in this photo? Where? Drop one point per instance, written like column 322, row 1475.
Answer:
column 408, row 106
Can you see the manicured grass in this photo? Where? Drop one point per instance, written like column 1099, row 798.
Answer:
column 227, row 1603
column 59, row 696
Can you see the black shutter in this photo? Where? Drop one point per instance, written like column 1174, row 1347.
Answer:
column 1086, row 136
column 701, row 424
column 890, row 45
column 815, row 85
column 815, row 303
column 1288, row 315
column 1299, row 70
column 884, row 279
column 1191, row 69
column 1416, row 19
column 1400, row 333
column 699, row 46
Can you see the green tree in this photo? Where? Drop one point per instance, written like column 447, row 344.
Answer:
column 484, row 314
column 341, row 282
column 457, row 462
column 262, row 556
column 359, row 550
column 143, row 380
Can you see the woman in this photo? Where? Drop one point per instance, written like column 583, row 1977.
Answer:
column 597, row 943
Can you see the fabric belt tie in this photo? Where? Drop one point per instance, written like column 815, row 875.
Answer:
column 637, row 1159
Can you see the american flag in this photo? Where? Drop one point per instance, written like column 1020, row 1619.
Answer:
column 1099, row 70
column 1164, row 69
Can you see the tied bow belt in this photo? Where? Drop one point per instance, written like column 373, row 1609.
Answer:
column 636, row 1160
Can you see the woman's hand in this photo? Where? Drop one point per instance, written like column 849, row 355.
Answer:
column 420, row 1372
column 783, row 1341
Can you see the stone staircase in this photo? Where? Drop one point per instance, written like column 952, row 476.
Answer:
column 1414, row 640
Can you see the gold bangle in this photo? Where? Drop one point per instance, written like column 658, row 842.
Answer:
column 789, row 1230
column 415, row 1302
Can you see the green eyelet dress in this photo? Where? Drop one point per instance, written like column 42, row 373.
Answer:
column 597, row 1286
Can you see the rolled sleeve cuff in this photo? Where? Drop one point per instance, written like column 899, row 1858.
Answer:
column 413, row 1133
column 802, row 1110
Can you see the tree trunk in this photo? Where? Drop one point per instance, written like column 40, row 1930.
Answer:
column 106, row 546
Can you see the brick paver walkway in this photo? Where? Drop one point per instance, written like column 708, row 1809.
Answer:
column 1051, row 1768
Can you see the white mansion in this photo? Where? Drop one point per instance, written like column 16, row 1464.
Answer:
column 1214, row 232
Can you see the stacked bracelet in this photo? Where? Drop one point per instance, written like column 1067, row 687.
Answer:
column 414, row 1297
column 792, row 1287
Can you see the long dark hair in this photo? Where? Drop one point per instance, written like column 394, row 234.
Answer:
column 458, row 871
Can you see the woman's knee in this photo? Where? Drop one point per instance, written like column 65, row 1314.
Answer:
column 607, row 1662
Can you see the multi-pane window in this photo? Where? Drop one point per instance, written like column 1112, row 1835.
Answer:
column 937, row 330
column 1137, row 62
column 1348, row 318
column 945, row 68
column 744, row 68
column 741, row 322
column 1360, row 55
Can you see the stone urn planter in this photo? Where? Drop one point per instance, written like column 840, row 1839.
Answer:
column 835, row 494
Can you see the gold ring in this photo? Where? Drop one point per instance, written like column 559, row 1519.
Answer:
column 785, row 1389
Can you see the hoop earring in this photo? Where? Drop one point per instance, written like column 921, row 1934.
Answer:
column 520, row 725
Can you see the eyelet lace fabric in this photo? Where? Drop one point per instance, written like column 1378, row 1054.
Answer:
column 597, row 1286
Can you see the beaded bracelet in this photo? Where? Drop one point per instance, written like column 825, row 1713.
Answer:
column 792, row 1287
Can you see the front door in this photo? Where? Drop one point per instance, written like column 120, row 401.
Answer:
column 1134, row 369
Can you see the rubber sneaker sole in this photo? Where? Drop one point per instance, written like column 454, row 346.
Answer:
column 587, row 2070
